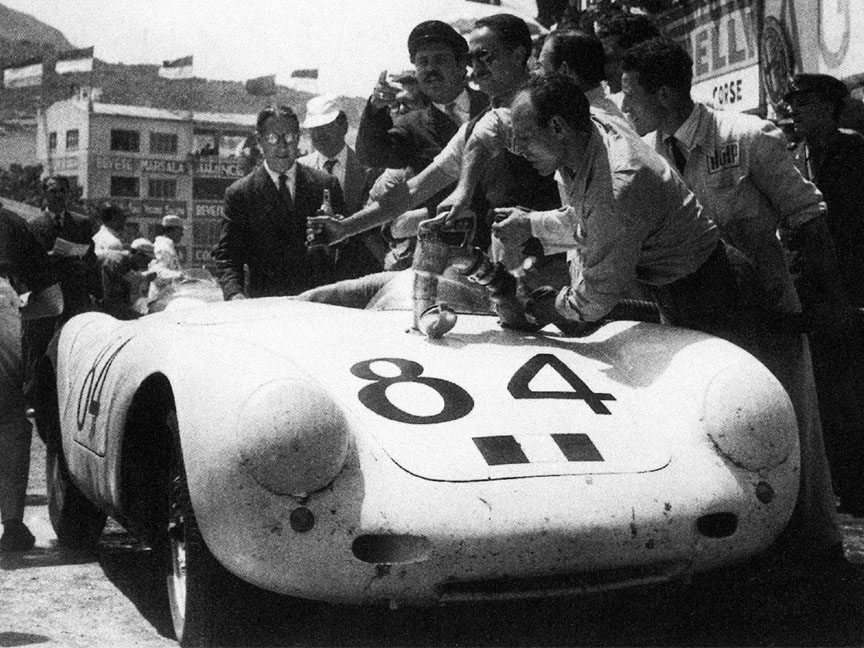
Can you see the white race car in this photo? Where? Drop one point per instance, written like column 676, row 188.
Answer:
column 336, row 454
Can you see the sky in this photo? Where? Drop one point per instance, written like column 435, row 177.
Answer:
column 349, row 41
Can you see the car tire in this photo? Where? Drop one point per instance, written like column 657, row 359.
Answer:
column 200, row 591
column 77, row 522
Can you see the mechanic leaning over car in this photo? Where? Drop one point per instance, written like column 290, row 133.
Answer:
column 24, row 267
column 741, row 171
column 262, row 248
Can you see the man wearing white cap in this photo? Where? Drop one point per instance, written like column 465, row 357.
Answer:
column 327, row 125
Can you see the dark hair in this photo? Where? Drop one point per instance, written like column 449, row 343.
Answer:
column 629, row 28
column 583, row 54
column 111, row 214
column 276, row 111
column 558, row 94
column 510, row 30
column 660, row 62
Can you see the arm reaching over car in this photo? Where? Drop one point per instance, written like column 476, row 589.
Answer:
column 399, row 197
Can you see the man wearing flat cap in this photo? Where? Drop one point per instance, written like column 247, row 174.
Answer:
column 833, row 159
column 327, row 125
column 440, row 56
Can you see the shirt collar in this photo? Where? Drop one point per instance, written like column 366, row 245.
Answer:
column 576, row 180
column 688, row 132
column 463, row 105
column 341, row 158
column 290, row 176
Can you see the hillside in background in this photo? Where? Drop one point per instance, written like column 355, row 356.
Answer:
column 23, row 38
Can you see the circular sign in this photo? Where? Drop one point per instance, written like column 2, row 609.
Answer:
column 776, row 59
column 834, row 21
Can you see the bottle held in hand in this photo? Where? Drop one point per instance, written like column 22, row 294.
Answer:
column 326, row 209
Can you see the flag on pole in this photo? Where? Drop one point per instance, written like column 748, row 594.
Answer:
column 265, row 85
column 180, row 68
column 23, row 75
column 305, row 74
column 79, row 60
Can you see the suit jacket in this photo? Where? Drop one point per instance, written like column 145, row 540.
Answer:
column 413, row 140
column 358, row 179
column 80, row 277
column 362, row 254
column 262, row 248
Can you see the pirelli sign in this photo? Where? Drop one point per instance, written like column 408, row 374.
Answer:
column 721, row 38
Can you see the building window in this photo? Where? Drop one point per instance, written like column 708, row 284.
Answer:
column 161, row 188
column 210, row 188
column 163, row 142
column 72, row 140
column 205, row 143
column 52, row 141
column 124, row 140
column 124, row 187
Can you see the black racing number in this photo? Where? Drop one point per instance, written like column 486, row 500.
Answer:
column 90, row 398
column 457, row 401
column 518, row 385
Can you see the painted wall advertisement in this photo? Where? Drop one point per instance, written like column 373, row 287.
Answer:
column 721, row 37
column 825, row 36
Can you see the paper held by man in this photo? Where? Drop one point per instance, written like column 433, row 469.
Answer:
column 65, row 248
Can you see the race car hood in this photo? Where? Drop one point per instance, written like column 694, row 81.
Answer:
column 482, row 402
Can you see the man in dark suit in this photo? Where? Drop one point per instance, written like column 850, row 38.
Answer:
column 327, row 125
column 68, row 240
column 262, row 249
column 440, row 55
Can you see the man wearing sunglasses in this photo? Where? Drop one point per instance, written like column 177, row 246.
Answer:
column 262, row 249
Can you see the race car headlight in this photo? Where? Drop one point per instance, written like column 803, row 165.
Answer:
column 749, row 417
column 292, row 438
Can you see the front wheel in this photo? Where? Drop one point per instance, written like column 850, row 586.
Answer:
column 200, row 590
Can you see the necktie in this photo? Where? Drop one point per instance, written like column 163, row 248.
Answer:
column 329, row 164
column 452, row 113
column 284, row 193
column 677, row 153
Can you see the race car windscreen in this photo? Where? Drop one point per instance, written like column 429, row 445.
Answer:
column 453, row 289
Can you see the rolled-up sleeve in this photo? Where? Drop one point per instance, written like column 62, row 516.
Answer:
column 449, row 160
column 607, row 249
column 555, row 229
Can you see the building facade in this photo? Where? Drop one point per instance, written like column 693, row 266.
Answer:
column 149, row 161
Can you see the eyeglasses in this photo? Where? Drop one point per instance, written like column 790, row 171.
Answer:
column 288, row 138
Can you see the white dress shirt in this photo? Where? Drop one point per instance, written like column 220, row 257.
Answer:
column 462, row 106
column 316, row 161
column 290, row 177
